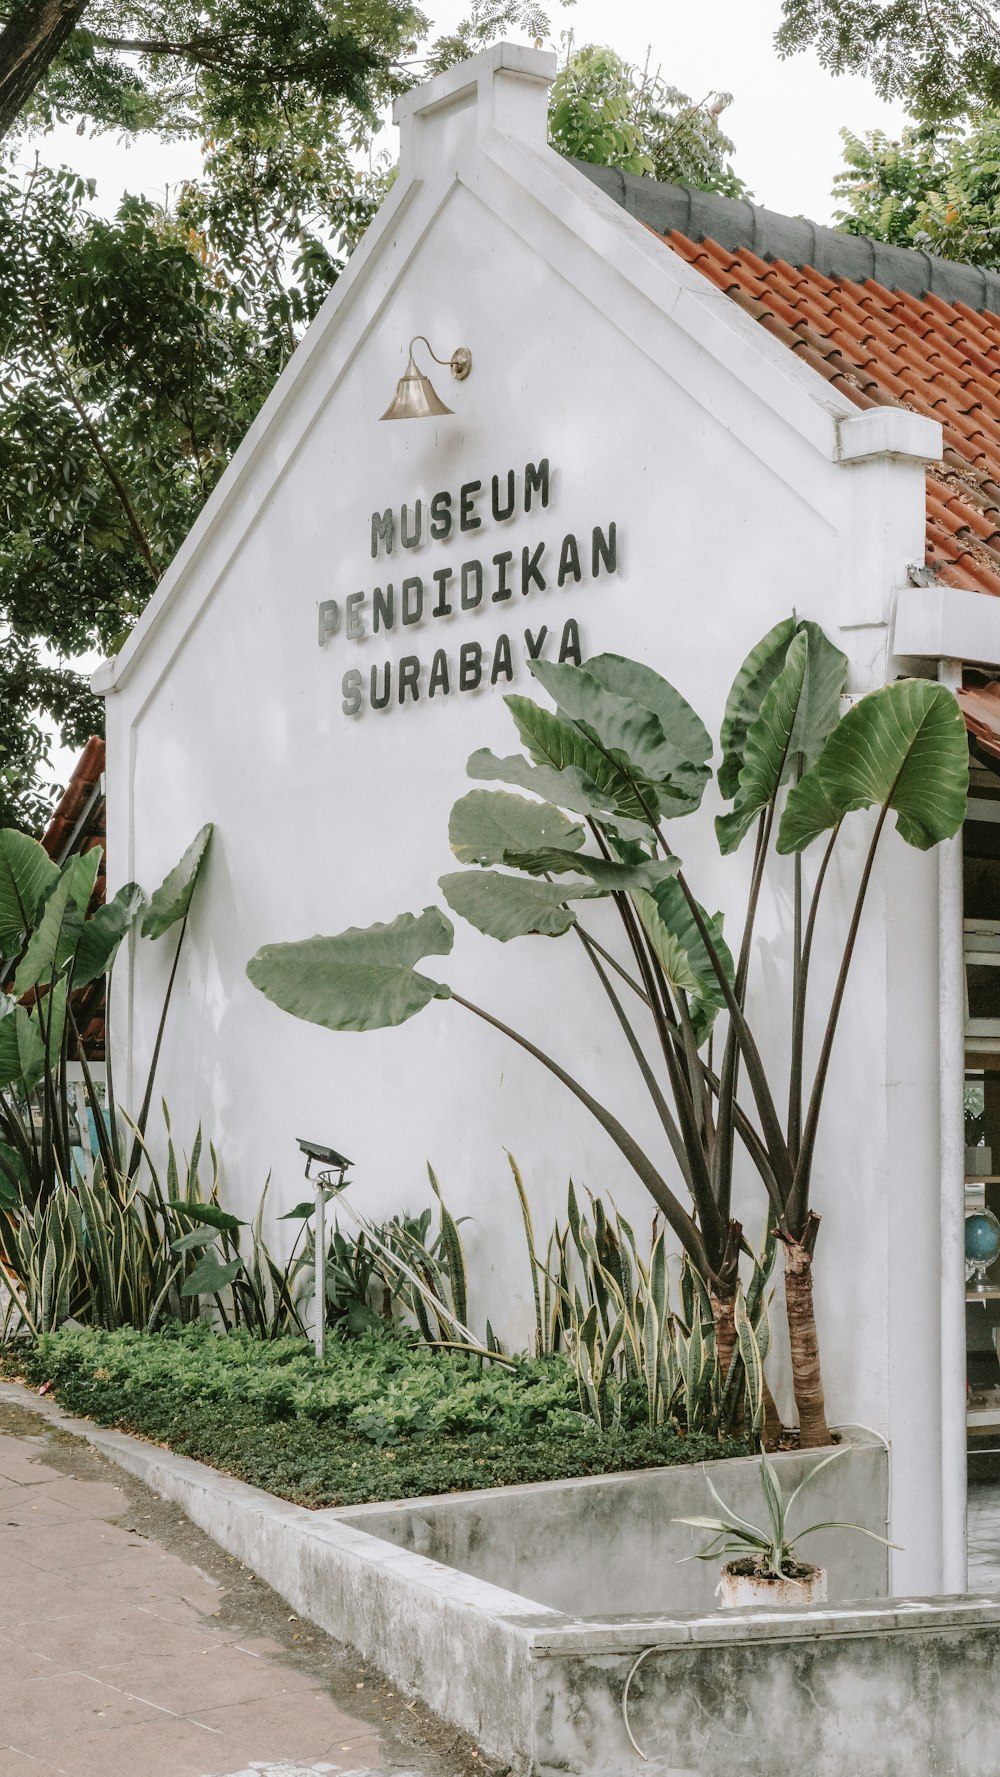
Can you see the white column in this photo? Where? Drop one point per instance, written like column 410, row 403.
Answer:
column 951, row 965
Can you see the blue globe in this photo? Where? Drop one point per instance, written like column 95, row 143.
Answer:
column 982, row 1237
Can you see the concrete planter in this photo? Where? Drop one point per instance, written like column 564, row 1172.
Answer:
column 737, row 1590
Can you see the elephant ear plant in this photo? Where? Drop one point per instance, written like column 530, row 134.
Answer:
column 52, row 949
column 621, row 757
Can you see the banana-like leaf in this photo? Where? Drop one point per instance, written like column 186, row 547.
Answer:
column 362, row 979
column 208, row 1214
column 605, row 873
column 27, row 875
column 209, row 1276
column 569, row 788
column 172, row 899
column 506, row 907
column 903, row 747
column 767, row 748
column 684, row 729
column 551, row 740
column 680, row 949
column 485, row 824
column 630, row 729
column 819, row 707
column 22, row 1051
column 750, row 686
column 103, row 933
column 58, row 931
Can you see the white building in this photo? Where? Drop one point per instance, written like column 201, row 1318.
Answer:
column 634, row 464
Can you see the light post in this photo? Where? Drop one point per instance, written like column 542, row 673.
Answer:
column 325, row 1185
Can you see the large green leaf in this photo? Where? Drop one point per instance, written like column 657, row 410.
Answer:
column 22, row 1051
column 172, row 899
column 551, row 740
column 769, row 744
column 682, row 953
column 208, row 1215
column 749, row 688
column 607, row 874
column 362, row 979
column 903, row 747
column 569, row 788
column 507, row 907
column 819, row 706
column 57, row 933
column 487, row 823
column 629, row 729
column 683, row 728
column 27, row 874
column 104, row 931
column 209, row 1276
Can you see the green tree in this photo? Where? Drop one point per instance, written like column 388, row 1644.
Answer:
column 607, row 111
column 941, row 56
column 128, row 378
column 937, row 188
column 174, row 65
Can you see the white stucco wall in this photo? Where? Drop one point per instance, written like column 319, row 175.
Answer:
column 737, row 497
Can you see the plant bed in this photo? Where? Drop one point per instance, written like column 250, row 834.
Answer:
column 382, row 1418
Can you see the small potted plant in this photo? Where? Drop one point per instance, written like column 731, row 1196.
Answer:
column 763, row 1567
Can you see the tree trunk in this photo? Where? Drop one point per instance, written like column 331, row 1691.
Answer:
column 806, row 1379
column 724, row 1316
column 30, row 40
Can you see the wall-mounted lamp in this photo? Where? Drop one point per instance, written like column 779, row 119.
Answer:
column 415, row 397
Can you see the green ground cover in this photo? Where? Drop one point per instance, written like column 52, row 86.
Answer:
column 381, row 1418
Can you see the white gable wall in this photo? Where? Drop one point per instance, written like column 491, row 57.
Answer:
column 741, row 487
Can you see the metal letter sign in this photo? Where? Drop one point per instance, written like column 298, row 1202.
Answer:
column 505, row 577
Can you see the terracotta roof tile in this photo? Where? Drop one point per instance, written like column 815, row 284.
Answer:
column 885, row 347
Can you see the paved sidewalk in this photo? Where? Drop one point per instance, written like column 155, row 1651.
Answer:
column 130, row 1646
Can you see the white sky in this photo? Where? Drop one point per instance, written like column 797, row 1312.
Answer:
column 784, row 118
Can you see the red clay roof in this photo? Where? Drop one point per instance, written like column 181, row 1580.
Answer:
column 885, row 347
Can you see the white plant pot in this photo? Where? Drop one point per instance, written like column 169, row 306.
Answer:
column 738, row 1590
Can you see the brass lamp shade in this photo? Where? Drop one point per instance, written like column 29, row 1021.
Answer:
column 415, row 397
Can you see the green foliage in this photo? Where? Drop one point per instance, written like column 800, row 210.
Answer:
column 940, row 56
column 901, row 748
column 176, row 67
column 608, row 112
column 380, row 1418
column 54, row 946
column 360, row 980
column 606, row 1303
column 112, row 1250
column 936, row 189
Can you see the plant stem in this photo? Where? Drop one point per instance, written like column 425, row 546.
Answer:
column 799, row 1195
column 682, row 1224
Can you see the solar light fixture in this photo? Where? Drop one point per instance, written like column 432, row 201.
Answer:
column 415, row 397
column 330, row 1163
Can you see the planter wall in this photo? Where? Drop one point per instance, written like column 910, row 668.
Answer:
column 606, row 1543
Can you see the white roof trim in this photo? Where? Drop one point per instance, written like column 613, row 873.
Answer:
column 946, row 623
